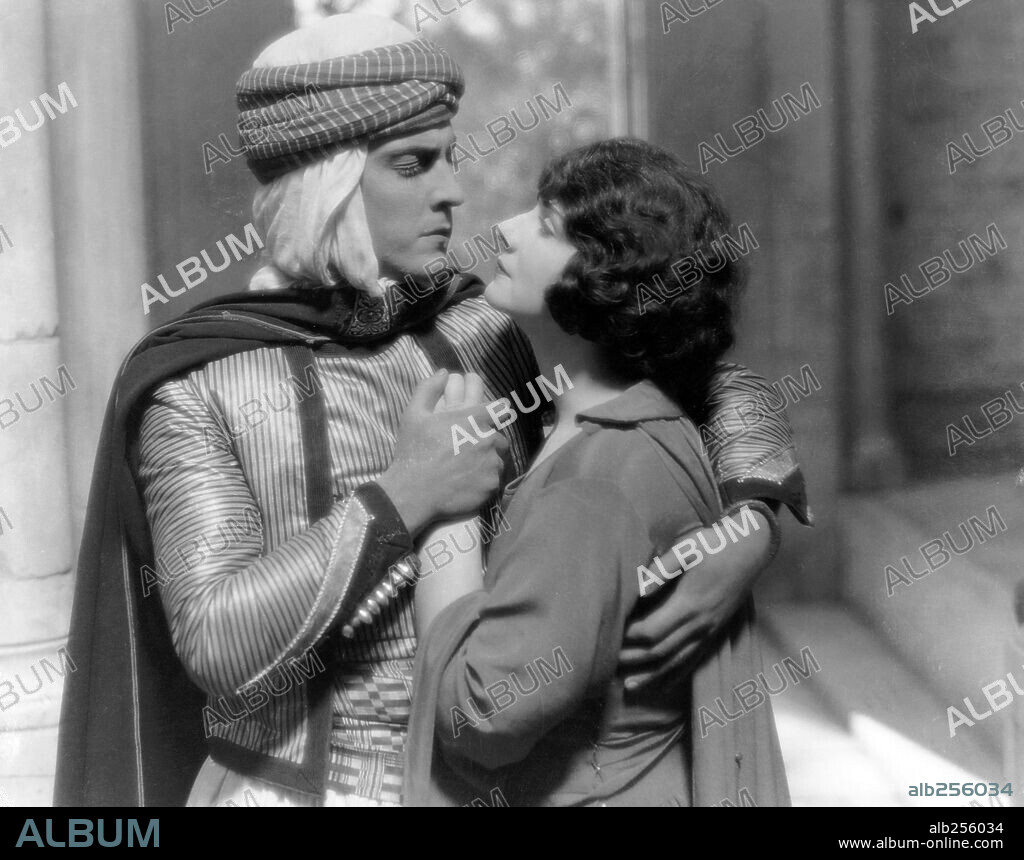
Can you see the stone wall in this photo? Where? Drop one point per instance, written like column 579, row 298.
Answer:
column 960, row 344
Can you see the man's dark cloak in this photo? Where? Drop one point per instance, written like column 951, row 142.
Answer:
column 131, row 729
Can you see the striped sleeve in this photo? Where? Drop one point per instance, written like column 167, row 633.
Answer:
column 235, row 611
column 749, row 441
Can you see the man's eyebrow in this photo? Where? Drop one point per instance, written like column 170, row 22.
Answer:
column 419, row 150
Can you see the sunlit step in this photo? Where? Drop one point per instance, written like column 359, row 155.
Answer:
column 864, row 729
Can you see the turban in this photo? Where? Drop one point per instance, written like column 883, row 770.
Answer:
column 294, row 114
column 306, row 148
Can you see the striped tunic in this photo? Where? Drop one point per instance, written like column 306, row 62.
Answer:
column 241, row 571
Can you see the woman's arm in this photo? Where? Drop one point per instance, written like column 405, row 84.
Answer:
column 451, row 557
column 451, row 563
column 548, row 634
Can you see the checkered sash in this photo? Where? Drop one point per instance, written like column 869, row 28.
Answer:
column 291, row 115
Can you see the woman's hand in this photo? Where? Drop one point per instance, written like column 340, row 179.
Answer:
column 461, row 392
column 450, row 552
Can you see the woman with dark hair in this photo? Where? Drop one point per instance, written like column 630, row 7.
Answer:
column 621, row 276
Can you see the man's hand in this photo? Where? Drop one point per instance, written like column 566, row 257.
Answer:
column 427, row 479
column 668, row 642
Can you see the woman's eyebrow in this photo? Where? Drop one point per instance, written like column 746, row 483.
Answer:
column 548, row 207
column 550, row 213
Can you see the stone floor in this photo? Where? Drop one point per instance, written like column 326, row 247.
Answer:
column 825, row 763
column 857, row 733
column 864, row 729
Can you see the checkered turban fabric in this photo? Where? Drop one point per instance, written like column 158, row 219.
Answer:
column 291, row 115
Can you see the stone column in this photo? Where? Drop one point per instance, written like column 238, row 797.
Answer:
column 74, row 254
column 874, row 459
column 36, row 540
column 99, row 212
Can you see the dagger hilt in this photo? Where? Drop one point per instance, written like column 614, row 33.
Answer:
column 400, row 575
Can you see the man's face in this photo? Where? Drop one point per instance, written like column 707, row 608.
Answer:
column 409, row 191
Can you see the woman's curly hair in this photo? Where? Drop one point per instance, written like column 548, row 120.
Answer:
column 634, row 212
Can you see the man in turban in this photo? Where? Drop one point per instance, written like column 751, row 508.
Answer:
column 269, row 459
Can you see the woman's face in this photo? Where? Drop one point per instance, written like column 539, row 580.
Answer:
column 536, row 257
